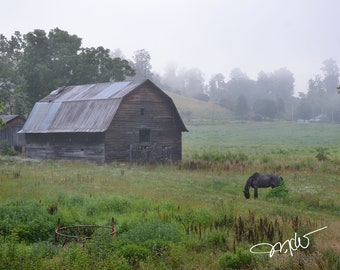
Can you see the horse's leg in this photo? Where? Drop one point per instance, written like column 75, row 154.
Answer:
column 255, row 193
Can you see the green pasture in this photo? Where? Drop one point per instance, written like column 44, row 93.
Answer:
column 188, row 215
column 262, row 136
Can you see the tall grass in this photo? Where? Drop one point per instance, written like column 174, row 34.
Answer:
column 188, row 215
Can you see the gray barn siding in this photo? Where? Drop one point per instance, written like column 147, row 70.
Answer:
column 72, row 146
column 158, row 117
column 9, row 132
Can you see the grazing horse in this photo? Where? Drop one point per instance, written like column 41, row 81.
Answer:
column 258, row 180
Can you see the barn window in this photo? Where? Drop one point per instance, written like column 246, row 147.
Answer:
column 144, row 135
column 141, row 111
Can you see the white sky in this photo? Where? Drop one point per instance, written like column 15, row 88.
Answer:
column 214, row 36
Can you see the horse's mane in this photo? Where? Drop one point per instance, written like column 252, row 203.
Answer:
column 250, row 180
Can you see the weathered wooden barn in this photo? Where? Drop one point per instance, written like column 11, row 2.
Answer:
column 116, row 121
column 9, row 131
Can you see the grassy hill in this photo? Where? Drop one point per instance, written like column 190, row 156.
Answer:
column 194, row 110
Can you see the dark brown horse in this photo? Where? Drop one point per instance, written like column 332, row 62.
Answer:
column 258, row 180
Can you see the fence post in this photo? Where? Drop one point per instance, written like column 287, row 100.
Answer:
column 58, row 231
column 113, row 232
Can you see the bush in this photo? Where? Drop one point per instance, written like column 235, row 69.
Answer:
column 134, row 253
column 151, row 230
column 322, row 153
column 279, row 192
column 28, row 221
column 5, row 149
column 239, row 260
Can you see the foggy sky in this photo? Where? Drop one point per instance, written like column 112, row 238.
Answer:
column 214, row 36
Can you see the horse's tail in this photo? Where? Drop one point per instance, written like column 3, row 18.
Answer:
column 280, row 180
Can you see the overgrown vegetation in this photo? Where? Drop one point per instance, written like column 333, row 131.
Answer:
column 190, row 215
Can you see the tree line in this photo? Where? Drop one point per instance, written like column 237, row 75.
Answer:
column 33, row 64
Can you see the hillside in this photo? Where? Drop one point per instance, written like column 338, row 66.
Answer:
column 193, row 110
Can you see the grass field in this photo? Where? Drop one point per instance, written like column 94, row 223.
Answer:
column 190, row 215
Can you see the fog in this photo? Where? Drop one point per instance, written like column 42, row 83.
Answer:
column 214, row 36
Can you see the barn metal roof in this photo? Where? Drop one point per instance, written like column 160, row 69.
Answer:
column 80, row 108
column 6, row 118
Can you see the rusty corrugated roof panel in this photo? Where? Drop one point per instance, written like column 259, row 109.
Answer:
column 80, row 108
column 8, row 117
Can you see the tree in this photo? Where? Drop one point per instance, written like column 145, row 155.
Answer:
column 241, row 107
column 63, row 55
column 331, row 75
column 11, row 53
column 242, row 86
column 217, row 87
column 282, row 84
column 192, row 82
column 236, row 74
column 266, row 108
column 305, row 109
column 57, row 59
column 141, row 64
column 170, row 79
column 264, row 85
column 35, row 66
column 95, row 65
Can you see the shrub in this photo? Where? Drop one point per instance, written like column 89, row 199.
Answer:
column 322, row 153
column 157, row 247
column 239, row 260
column 29, row 221
column 151, row 230
column 217, row 240
column 5, row 149
column 134, row 253
column 279, row 192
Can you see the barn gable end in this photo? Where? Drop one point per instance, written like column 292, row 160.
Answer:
column 122, row 121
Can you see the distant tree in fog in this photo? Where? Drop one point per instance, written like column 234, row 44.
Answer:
column 170, row 79
column 276, row 85
column 265, row 108
column 191, row 82
column 241, row 107
column 283, row 84
column 236, row 74
column 331, row 75
column 264, row 85
column 321, row 98
column 240, row 84
column 217, row 87
column 304, row 110
column 141, row 64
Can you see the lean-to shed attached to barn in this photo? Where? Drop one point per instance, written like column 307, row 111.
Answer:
column 9, row 131
column 116, row 121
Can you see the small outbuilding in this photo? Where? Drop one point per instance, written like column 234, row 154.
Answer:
column 9, row 131
column 105, row 122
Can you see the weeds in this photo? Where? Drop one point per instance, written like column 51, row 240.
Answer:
column 165, row 218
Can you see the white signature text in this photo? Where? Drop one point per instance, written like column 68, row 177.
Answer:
column 289, row 245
